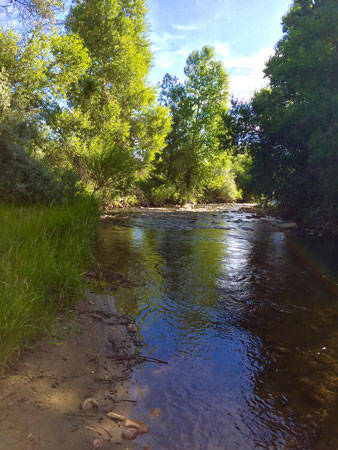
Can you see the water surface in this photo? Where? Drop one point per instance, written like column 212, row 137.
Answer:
column 246, row 315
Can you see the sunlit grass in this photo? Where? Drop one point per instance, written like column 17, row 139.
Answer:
column 44, row 254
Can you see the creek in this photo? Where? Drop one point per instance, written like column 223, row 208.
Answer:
column 245, row 314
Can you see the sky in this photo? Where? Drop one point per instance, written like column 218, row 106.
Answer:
column 242, row 32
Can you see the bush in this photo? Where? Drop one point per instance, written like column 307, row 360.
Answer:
column 23, row 179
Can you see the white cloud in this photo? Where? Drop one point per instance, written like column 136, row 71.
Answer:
column 192, row 27
column 169, row 54
column 162, row 41
column 246, row 72
column 165, row 60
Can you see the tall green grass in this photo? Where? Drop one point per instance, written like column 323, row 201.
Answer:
column 44, row 253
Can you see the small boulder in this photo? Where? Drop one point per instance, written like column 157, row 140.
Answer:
column 130, row 434
column 141, row 427
column 89, row 403
column 131, row 328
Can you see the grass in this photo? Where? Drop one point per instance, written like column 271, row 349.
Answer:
column 45, row 252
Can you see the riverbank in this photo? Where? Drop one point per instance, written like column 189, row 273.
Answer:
column 90, row 356
column 45, row 252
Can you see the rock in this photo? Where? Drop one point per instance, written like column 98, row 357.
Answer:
column 90, row 403
column 282, row 225
column 96, row 443
column 131, row 328
column 141, row 427
column 116, row 416
column 130, row 434
column 287, row 226
column 156, row 412
column 92, row 274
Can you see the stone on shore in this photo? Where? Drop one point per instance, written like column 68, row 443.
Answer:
column 115, row 416
column 141, row 427
column 130, row 434
column 89, row 403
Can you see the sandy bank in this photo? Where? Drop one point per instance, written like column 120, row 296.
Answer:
column 91, row 355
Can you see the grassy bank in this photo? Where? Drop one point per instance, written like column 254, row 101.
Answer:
column 44, row 254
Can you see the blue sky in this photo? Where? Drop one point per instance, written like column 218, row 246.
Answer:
column 243, row 33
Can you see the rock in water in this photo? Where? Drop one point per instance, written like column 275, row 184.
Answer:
column 141, row 427
column 90, row 403
column 156, row 412
column 287, row 226
column 130, row 434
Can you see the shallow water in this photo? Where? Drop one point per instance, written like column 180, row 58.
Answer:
column 245, row 315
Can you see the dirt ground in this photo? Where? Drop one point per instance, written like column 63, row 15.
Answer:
column 91, row 355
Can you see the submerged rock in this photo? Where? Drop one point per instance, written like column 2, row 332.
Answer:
column 287, row 226
column 156, row 412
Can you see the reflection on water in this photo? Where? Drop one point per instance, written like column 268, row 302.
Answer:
column 245, row 315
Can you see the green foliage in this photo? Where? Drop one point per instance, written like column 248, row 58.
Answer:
column 193, row 160
column 77, row 101
column 24, row 179
column 242, row 168
column 293, row 127
column 34, row 79
column 44, row 253
column 124, row 125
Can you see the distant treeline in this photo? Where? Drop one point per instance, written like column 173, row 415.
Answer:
column 77, row 113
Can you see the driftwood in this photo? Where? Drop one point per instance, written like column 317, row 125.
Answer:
column 139, row 358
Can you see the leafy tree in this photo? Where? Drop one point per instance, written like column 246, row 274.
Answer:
column 193, row 159
column 296, row 117
column 120, row 125
column 35, row 76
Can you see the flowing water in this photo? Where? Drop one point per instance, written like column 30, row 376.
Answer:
column 245, row 314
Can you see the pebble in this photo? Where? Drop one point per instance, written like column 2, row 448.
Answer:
column 156, row 412
column 96, row 443
column 90, row 403
column 115, row 416
column 130, row 434
column 141, row 427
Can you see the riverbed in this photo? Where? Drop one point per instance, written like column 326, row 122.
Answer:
column 243, row 316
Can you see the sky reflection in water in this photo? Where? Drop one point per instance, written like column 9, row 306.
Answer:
column 241, row 312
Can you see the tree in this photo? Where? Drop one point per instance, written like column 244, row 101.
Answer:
column 297, row 115
column 30, row 13
column 34, row 78
column 193, row 160
column 123, row 126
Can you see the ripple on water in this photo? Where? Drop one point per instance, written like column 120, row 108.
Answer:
column 240, row 311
